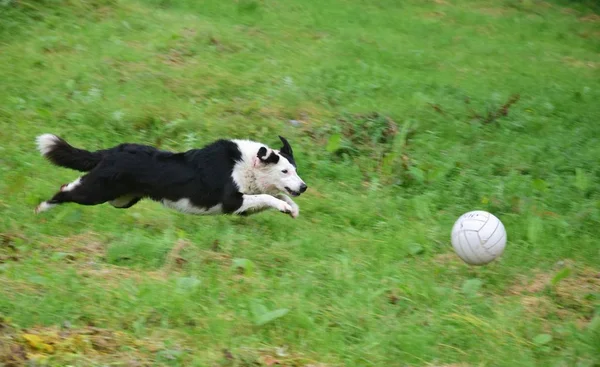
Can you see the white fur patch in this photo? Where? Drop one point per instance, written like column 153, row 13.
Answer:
column 46, row 143
column 72, row 185
column 43, row 207
column 244, row 171
column 185, row 206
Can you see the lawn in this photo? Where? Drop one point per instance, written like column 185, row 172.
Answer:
column 403, row 116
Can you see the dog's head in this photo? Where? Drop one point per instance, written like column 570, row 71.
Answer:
column 278, row 169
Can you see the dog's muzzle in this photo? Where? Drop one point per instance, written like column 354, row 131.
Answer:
column 303, row 188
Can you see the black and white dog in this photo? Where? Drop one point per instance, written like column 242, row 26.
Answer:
column 225, row 177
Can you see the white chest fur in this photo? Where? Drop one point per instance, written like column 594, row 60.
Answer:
column 185, row 206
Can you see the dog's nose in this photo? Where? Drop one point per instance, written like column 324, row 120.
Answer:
column 303, row 187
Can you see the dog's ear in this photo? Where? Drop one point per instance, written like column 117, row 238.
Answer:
column 271, row 158
column 287, row 148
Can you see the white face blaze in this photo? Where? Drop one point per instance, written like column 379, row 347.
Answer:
column 283, row 176
column 269, row 173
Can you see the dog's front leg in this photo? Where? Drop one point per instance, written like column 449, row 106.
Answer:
column 295, row 208
column 256, row 203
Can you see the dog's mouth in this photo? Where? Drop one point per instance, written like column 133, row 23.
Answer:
column 292, row 192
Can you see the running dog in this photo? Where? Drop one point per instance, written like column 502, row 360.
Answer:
column 239, row 177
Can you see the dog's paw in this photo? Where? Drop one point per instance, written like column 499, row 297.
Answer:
column 295, row 211
column 284, row 207
column 44, row 205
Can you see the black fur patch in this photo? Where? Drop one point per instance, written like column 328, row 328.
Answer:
column 272, row 158
column 286, row 151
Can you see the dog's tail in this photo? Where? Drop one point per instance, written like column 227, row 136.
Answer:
column 61, row 153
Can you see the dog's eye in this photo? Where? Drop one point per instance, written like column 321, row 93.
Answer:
column 285, row 171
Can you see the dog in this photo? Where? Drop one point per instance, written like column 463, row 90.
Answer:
column 239, row 177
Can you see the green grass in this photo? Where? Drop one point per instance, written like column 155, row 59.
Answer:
column 387, row 93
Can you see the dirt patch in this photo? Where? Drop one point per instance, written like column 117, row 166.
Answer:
column 128, row 70
column 590, row 34
column 536, row 284
column 569, row 11
column 113, row 275
column 189, row 33
column 8, row 249
column 86, row 245
column 571, row 61
column 570, row 297
column 271, row 111
column 80, row 247
column 93, row 346
column 86, row 254
column 594, row 18
column 446, row 259
column 581, row 280
column 175, row 259
column 221, row 258
column 281, row 357
column 576, row 291
column 86, row 345
column 434, row 15
column 12, row 287
column 104, row 13
column 494, row 12
column 184, row 253
column 539, row 306
column 174, row 57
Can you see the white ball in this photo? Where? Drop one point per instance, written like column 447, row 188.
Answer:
column 478, row 237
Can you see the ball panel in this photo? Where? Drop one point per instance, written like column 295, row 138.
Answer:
column 489, row 229
column 465, row 251
column 476, row 252
column 460, row 246
column 471, row 225
column 500, row 242
column 498, row 248
column 491, row 239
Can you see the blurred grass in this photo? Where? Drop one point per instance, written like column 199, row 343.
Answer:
column 366, row 272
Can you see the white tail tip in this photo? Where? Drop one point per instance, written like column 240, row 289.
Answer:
column 46, row 143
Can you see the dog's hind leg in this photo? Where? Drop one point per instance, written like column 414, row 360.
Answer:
column 86, row 190
column 49, row 204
